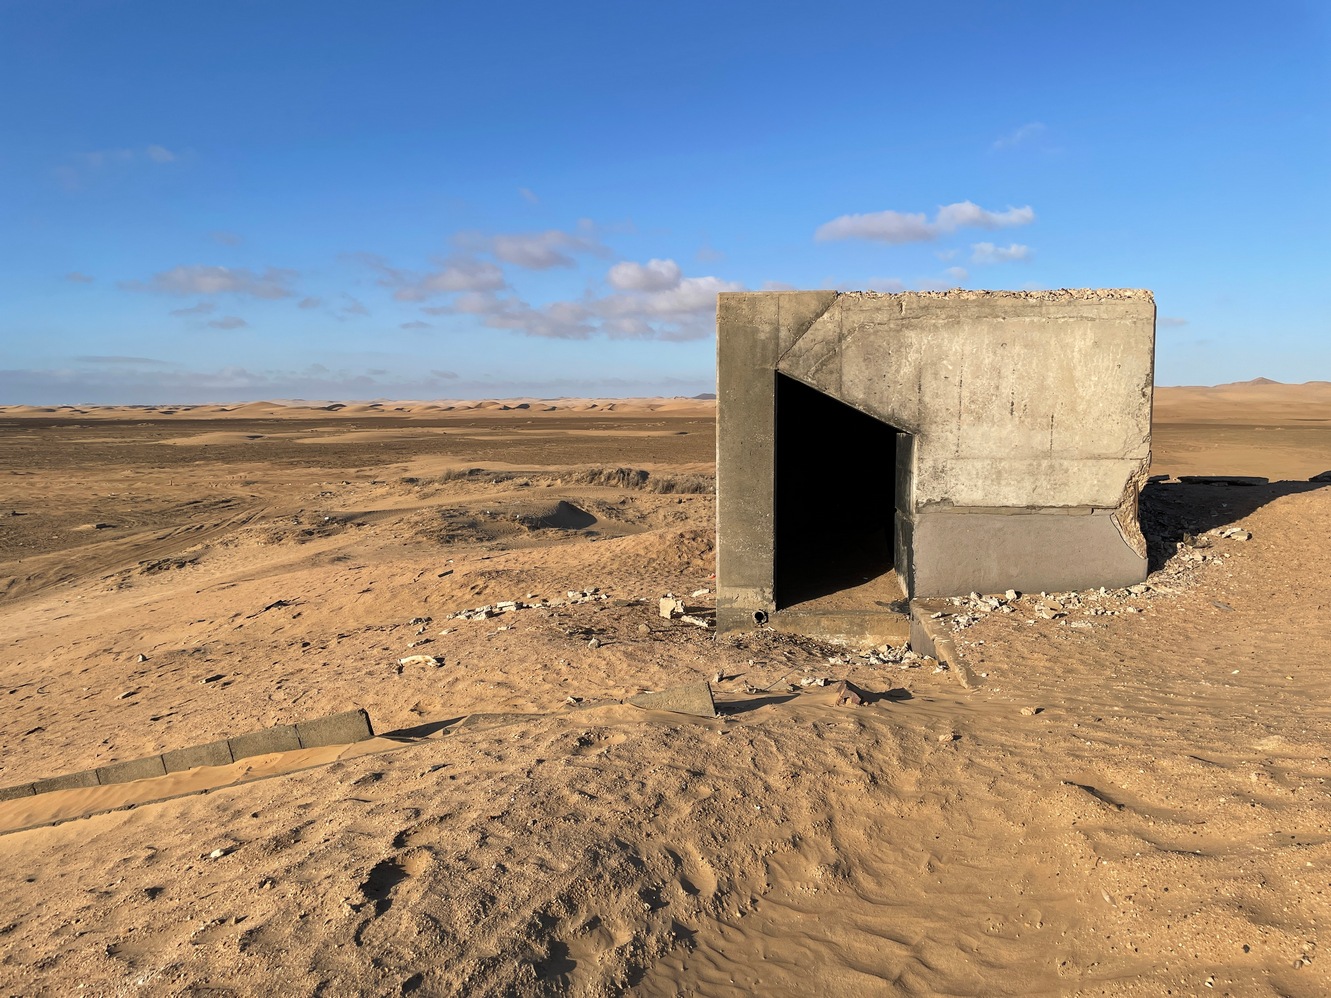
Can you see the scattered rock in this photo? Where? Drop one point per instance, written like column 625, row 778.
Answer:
column 140, row 657
column 644, row 629
column 1032, row 711
column 594, row 643
column 127, row 694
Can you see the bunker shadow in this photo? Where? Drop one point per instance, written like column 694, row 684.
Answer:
column 1172, row 510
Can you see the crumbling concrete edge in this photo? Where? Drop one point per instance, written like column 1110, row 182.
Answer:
column 929, row 636
column 1126, row 517
column 346, row 728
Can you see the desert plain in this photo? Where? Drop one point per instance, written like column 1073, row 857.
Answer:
column 1112, row 793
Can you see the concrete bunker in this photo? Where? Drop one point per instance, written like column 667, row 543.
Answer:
column 876, row 448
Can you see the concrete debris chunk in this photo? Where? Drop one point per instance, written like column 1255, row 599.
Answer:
column 696, row 621
column 671, row 607
column 847, row 694
column 411, row 660
column 691, row 698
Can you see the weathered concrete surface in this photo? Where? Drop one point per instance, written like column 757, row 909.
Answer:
column 336, row 729
column 131, row 770
column 692, row 698
column 216, row 753
column 10, row 793
column 1027, row 415
column 69, row 781
column 281, row 738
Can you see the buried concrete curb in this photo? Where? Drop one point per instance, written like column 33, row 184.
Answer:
column 336, row 729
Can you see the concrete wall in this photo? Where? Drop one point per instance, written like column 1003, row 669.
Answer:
column 1029, row 416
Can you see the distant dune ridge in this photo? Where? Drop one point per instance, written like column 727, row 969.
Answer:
column 1241, row 401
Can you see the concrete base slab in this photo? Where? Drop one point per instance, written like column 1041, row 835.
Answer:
column 859, row 627
column 10, row 793
column 131, row 770
column 692, row 698
column 282, row 738
column 962, row 551
column 216, row 753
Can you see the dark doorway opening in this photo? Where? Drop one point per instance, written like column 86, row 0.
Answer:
column 835, row 503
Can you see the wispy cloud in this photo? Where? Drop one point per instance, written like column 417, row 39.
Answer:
column 1171, row 321
column 458, row 273
column 74, row 174
column 198, row 279
column 77, row 277
column 1028, row 132
column 352, row 306
column 528, row 195
column 989, row 253
column 117, row 360
column 228, row 322
column 309, row 303
column 958, row 274
column 227, row 238
column 537, row 250
column 202, row 308
column 916, row 227
column 415, row 324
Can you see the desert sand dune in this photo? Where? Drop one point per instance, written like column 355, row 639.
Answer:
column 1129, row 798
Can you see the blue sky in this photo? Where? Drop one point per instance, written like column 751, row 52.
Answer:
column 333, row 200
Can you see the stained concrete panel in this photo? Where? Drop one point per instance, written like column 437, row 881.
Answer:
column 281, row 738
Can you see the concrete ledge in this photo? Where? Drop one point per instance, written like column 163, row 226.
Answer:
column 282, row 738
column 70, row 781
column 131, row 770
column 216, row 753
column 336, row 729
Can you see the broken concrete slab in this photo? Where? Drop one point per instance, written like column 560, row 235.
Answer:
column 336, row 729
column 216, row 753
column 691, row 698
column 281, row 738
column 847, row 694
column 131, row 770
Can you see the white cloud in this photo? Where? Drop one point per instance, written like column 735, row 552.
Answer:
column 1024, row 133
column 967, row 214
column 654, row 275
column 528, row 195
column 309, row 303
column 352, row 306
column 900, row 227
column 458, row 273
column 274, row 282
column 76, row 277
column 989, row 253
column 160, row 154
column 228, row 322
column 445, row 375
column 881, row 226
column 202, row 308
column 1171, row 321
column 958, row 274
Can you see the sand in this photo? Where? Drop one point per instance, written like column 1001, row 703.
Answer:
column 1126, row 803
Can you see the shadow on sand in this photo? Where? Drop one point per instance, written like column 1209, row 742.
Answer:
column 1170, row 510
